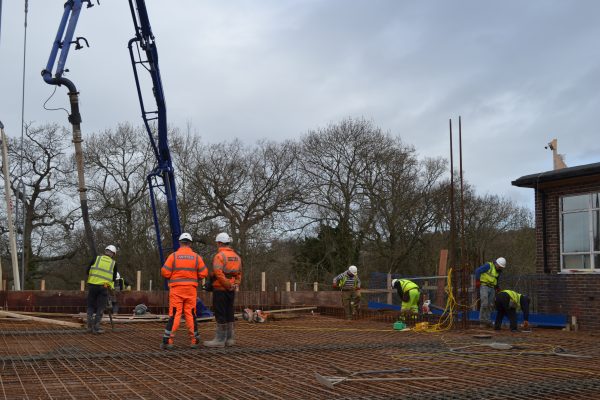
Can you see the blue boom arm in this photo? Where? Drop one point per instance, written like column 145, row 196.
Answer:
column 142, row 49
column 62, row 43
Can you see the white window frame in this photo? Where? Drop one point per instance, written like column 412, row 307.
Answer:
column 594, row 269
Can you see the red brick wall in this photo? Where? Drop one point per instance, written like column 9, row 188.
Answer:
column 571, row 294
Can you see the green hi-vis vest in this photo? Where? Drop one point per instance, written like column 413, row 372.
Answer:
column 490, row 277
column 514, row 298
column 407, row 285
column 102, row 272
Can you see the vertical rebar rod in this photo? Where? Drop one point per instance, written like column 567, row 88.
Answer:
column 464, row 293
column 452, row 245
column 21, row 183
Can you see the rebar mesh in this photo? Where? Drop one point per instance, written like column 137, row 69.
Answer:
column 278, row 360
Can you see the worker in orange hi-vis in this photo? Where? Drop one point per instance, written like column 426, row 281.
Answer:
column 184, row 269
column 226, row 278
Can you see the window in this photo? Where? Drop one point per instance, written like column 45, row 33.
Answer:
column 580, row 232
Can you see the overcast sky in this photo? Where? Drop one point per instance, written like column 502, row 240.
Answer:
column 518, row 72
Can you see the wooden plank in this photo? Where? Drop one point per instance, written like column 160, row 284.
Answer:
column 439, row 296
column 45, row 314
column 161, row 318
column 44, row 320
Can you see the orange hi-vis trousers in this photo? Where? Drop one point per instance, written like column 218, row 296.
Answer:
column 182, row 299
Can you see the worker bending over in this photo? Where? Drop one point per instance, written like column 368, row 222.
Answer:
column 121, row 285
column 183, row 269
column 349, row 283
column 486, row 279
column 508, row 303
column 409, row 293
column 226, row 277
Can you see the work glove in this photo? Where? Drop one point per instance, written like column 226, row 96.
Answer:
column 477, row 283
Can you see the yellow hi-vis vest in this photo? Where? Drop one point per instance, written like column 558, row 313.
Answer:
column 490, row 277
column 407, row 285
column 102, row 272
column 514, row 298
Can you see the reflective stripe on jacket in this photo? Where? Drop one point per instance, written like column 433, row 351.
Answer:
column 227, row 269
column 184, row 268
column 490, row 277
column 102, row 272
column 407, row 285
column 514, row 297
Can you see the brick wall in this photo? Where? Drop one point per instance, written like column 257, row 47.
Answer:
column 571, row 294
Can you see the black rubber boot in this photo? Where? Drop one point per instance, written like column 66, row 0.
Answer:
column 167, row 343
column 196, row 342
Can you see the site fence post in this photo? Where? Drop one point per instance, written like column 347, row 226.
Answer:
column 389, row 288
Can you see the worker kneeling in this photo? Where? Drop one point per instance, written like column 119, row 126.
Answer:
column 183, row 268
column 507, row 304
column 409, row 293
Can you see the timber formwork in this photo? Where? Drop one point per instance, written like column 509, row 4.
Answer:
column 278, row 360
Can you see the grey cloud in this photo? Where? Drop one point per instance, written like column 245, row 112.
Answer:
column 518, row 72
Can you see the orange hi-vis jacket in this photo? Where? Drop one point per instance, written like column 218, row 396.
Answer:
column 184, row 268
column 227, row 269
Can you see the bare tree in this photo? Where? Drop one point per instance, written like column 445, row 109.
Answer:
column 337, row 166
column 487, row 217
column 185, row 147
column 50, row 214
column 118, row 162
column 241, row 188
column 406, row 198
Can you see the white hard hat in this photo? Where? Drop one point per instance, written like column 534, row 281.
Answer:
column 501, row 262
column 353, row 270
column 185, row 237
column 223, row 238
column 394, row 282
column 111, row 248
